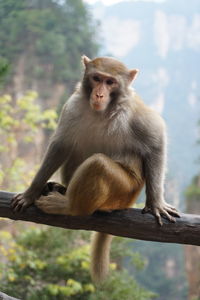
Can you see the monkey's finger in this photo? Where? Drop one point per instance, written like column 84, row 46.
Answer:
column 23, row 206
column 15, row 200
column 18, row 206
column 168, row 206
column 173, row 212
column 15, row 197
column 145, row 210
column 168, row 216
column 155, row 212
column 158, row 216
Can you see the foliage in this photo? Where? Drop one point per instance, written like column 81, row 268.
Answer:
column 3, row 68
column 21, row 120
column 50, row 35
column 49, row 264
column 121, row 286
column 193, row 190
column 164, row 271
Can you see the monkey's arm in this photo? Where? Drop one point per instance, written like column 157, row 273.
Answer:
column 54, row 157
column 154, row 168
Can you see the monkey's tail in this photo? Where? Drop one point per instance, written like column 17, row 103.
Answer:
column 100, row 256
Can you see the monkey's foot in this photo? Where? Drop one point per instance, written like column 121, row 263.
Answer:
column 54, row 203
column 163, row 209
column 52, row 186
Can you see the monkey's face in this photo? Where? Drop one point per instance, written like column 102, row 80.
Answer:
column 105, row 79
column 102, row 87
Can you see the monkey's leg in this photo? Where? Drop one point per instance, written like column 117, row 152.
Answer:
column 99, row 183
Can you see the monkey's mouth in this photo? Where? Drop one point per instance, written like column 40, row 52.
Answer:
column 97, row 107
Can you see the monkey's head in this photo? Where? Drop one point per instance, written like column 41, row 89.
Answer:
column 105, row 79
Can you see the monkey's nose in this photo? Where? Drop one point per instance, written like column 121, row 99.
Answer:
column 99, row 96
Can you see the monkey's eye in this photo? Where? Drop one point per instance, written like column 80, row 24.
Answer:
column 96, row 78
column 109, row 81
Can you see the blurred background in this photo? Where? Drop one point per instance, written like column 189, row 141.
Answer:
column 41, row 43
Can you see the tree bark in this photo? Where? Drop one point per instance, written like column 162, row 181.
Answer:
column 6, row 297
column 129, row 223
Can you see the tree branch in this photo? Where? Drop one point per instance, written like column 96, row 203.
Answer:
column 6, row 297
column 129, row 223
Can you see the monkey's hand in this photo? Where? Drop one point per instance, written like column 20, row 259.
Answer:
column 159, row 209
column 21, row 201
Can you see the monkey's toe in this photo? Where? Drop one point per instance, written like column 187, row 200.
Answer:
column 54, row 203
column 45, row 204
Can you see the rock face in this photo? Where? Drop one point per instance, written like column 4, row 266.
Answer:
column 192, row 253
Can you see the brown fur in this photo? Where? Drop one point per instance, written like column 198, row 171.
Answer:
column 109, row 66
column 100, row 250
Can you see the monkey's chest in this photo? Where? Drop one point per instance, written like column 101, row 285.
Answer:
column 111, row 139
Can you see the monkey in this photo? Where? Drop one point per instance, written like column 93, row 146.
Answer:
column 108, row 145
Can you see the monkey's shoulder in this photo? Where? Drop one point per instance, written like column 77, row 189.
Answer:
column 145, row 116
column 147, row 126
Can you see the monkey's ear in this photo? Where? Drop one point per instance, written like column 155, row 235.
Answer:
column 85, row 60
column 133, row 74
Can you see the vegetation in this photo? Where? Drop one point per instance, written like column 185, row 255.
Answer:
column 165, row 269
column 49, row 35
column 48, row 263
column 20, row 121
column 193, row 191
column 3, row 67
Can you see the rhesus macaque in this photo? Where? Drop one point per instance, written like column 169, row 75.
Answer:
column 108, row 144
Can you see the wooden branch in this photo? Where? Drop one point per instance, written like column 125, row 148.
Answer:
column 129, row 223
column 6, row 297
